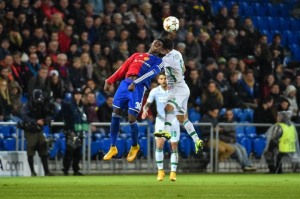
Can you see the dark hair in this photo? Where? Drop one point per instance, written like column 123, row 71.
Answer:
column 267, row 100
column 168, row 44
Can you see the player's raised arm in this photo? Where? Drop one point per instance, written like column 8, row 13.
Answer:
column 154, row 70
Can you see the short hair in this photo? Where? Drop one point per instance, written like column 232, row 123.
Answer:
column 168, row 44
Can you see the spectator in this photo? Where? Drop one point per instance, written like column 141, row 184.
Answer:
column 275, row 94
column 15, row 94
column 227, row 135
column 225, row 150
column 290, row 95
column 264, row 114
column 209, row 71
column 267, row 85
column 193, row 50
column 212, row 97
column 104, row 112
column 234, row 99
column 57, row 86
column 77, row 73
column 101, row 70
column 41, row 82
column 91, row 110
column 249, row 89
column 5, row 102
column 195, row 85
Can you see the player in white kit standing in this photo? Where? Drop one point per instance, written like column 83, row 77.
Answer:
column 160, row 95
column 179, row 94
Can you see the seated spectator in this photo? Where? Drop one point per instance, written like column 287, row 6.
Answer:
column 225, row 150
column 210, row 71
column 275, row 94
column 264, row 114
column 211, row 97
column 267, row 85
column 249, row 89
column 91, row 110
column 195, row 86
column 234, row 99
column 227, row 134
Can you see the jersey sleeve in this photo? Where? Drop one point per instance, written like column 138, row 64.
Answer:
column 151, row 96
column 121, row 72
column 153, row 71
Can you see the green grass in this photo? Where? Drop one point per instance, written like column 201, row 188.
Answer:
column 285, row 186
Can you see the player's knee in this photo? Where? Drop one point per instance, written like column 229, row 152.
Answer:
column 174, row 146
column 169, row 108
column 131, row 118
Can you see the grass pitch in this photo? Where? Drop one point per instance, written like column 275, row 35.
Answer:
column 285, row 186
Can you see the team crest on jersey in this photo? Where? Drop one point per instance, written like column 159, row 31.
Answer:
column 146, row 58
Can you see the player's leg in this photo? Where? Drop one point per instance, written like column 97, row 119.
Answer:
column 134, row 108
column 159, row 153
column 169, row 117
column 182, row 100
column 119, row 103
column 175, row 134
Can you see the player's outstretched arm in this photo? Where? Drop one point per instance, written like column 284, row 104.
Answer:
column 149, row 75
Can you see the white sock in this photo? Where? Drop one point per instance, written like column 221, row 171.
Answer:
column 174, row 161
column 168, row 120
column 159, row 156
column 189, row 127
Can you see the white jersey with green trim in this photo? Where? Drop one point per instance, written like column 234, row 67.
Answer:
column 174, row 68
column 160, row 96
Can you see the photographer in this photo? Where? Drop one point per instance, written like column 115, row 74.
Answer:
column 35, row 114
column 75, row 119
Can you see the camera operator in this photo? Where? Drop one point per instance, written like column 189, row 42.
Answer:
column 75, row 119
column 35, row 114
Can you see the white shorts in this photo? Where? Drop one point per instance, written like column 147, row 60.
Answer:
column 175, row 129
column 178, row 98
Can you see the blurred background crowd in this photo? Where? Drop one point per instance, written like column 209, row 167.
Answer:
column 232, row 62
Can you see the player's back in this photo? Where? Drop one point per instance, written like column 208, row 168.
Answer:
column 141, row 63
column 174, row 67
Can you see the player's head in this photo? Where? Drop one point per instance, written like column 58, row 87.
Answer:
column 156, row 46
column 162, row 80
column 168, row 44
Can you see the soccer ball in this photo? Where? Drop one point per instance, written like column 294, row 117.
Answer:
column 171, row 24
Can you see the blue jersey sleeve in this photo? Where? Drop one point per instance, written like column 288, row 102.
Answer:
column 153, row 71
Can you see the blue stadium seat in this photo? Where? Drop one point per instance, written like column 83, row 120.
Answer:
column 295, row 49
column 184, row 147
column 100, row 98
column 249, row 114
column 143, row 145
column 6, row 131
column 294, row 24
column 273, row 23
column 126, row 129
column 53, row 151
column 284, row 24
column 259, row 9
column 95, row 147
column 46, row 131
column 1, row 143
column 121, row 146
column 194, row 116
column 222, row 111
column 9, row 144
column 240, row 130
column 247, row 144
column 105, row 144
column 128, row 144
column 250, row 131
column 62, row 146
column 24, row 99
column 283, row 10
column 259, row 146
column 273, row 10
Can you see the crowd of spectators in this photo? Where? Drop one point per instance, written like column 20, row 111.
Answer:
column 61, row 45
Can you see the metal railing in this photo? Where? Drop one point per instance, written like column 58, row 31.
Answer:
column 86, row 147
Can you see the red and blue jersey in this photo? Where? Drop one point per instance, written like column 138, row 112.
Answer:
column 143, row 65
